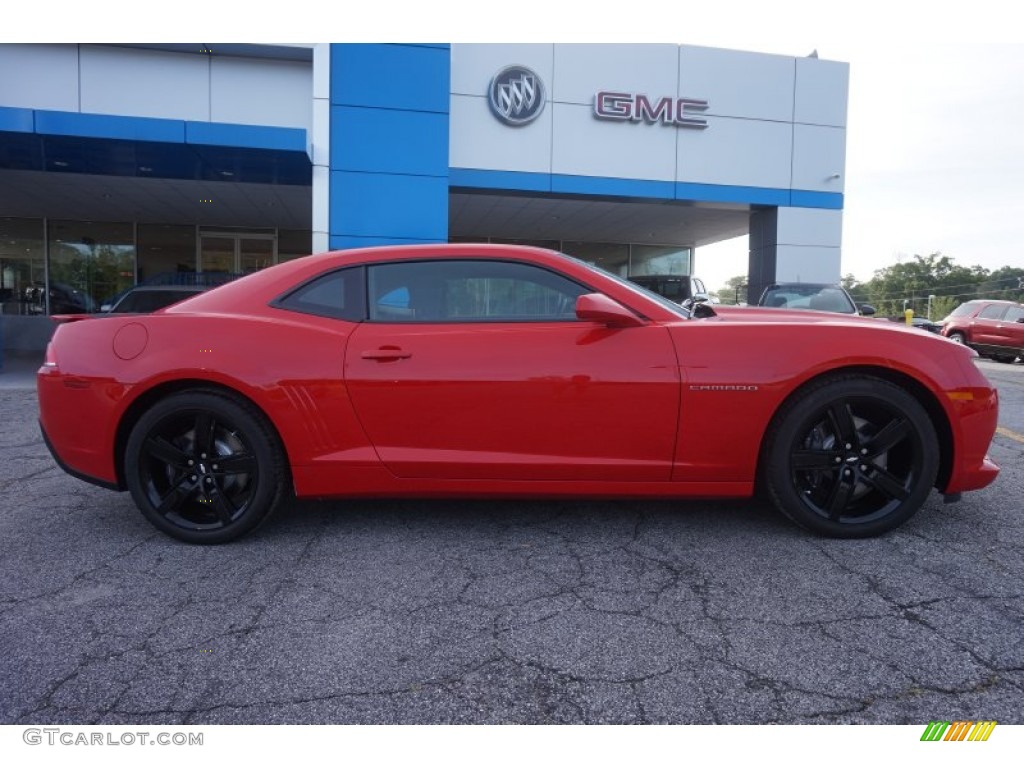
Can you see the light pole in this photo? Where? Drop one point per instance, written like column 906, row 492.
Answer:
column 931, row 298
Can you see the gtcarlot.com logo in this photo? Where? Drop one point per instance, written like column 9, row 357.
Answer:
column 72, row 738
column 958, row 730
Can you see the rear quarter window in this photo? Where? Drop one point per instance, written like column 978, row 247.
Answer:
column 340, row 294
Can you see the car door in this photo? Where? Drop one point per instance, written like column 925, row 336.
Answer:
column 1010, row 329
column 479, row 369
column 986, row 329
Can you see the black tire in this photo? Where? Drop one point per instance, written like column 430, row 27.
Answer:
column 851, row 457
column 204, row 468
column 958, row 337
column 1004, row 358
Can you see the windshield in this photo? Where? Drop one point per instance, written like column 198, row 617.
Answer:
column 633, row 287
column 964, row 309
column 822, row 298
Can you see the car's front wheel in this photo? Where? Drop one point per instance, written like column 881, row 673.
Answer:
column 203, row 467
column 854, row 456
column 957, row 337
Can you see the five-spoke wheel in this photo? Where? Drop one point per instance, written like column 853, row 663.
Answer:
column 853, row 456
column 204, row 467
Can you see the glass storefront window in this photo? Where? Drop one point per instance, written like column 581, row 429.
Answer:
column 165, row 250
column 22, row 277
column 611, row 257
column 659, row 260
column 90, row 264
column 293, row 244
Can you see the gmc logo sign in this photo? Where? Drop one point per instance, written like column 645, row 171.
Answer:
column 634, row 107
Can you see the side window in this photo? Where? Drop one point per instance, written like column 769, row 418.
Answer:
column 466, row 290
column 992, row 312
column 1014, row 314
column 339, row 294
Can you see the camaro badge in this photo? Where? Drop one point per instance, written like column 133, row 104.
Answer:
column 723, row 387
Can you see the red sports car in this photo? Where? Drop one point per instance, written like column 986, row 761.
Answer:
column 486, row 370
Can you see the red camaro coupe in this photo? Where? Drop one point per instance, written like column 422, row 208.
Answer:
column 505, row 371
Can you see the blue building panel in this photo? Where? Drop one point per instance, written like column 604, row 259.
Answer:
column 391, row 76
column 802, row 198
column 389, row 141
column 109, row 126
column 248, row 136
column 389, row 144
column 520, row 181
column 17, row 120
column 612, row 187
column 385, row 205
column 724, row 193
column 344, row 242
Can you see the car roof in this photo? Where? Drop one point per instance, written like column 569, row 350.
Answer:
column 804, row 285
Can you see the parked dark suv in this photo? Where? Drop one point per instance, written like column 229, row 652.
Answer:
column 677, row 288
column 823, row 297
column 143, row 299
column 993, row 328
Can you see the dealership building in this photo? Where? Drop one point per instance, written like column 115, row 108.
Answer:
column 127, row 164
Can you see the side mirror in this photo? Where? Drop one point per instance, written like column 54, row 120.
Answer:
column 866, row 309
column 105, row 307
column 599, row 308
column 697, row 298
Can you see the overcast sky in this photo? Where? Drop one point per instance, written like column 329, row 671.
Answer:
column 935, row 140
column 935, row 157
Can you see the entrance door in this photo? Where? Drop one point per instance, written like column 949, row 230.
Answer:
column 236, row 252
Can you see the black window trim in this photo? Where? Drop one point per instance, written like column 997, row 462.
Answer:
column 280, row 302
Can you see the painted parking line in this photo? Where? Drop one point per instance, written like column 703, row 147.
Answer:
column 1010, row 434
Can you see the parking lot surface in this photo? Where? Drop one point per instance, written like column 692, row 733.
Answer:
column 506, row 612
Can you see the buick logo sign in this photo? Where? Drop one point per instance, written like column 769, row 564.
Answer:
column 516, row 96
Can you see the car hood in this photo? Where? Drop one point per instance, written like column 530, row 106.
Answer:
column 798, row 316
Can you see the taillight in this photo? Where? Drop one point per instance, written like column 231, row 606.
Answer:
column 50, row 360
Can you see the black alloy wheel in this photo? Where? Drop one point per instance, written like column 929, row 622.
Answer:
column 203, row 467
column 854, row 456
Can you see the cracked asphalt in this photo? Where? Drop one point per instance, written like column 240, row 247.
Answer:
column 506, row 612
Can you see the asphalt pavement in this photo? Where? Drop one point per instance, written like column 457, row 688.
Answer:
column 505, row 612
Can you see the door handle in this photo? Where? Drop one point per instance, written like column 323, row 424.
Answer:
column 386, row 353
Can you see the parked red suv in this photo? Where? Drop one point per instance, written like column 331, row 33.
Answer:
column 994, row 328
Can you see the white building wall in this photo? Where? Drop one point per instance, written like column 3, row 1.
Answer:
column 774, row 122
column 807, row 248
column 111, row 80
column 321, row 147
column 118, row 81
column 261, row 92
column 39, row 76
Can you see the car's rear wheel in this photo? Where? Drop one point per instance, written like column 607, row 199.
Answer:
column 958, row 337
column 854, row 456
column 1004, row 358
column 203, row 467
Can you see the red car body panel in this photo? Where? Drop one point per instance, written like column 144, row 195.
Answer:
column 672, row 407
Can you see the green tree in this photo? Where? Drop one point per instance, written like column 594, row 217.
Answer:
column 909, row 284
column 734, row 291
